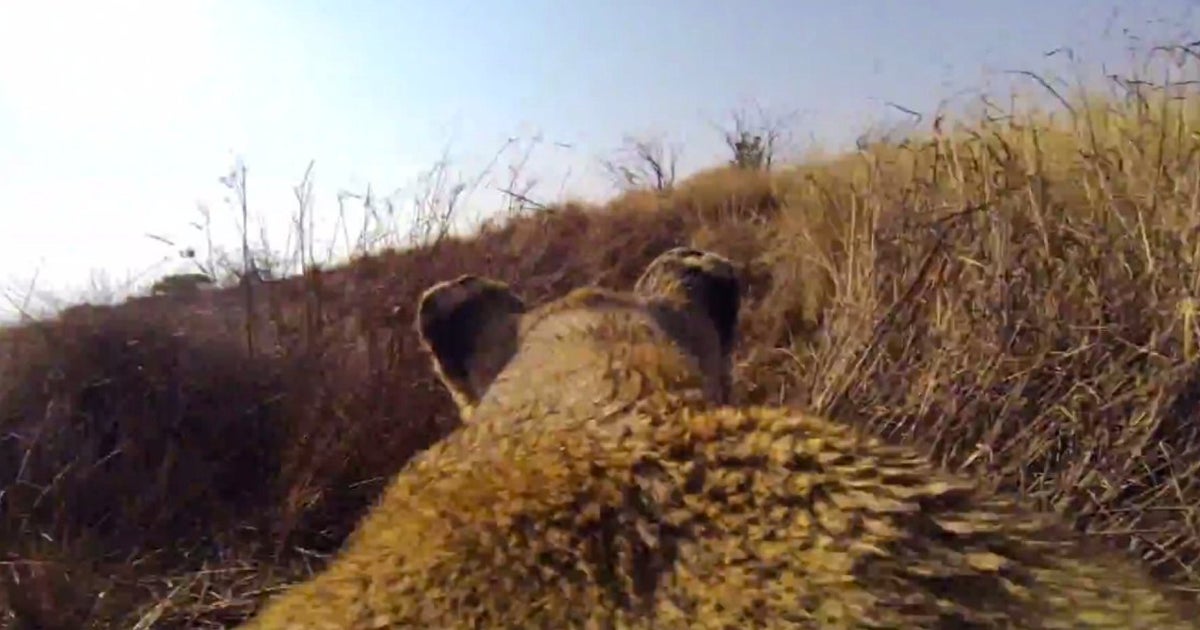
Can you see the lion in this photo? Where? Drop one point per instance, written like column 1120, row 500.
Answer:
column 601, row 479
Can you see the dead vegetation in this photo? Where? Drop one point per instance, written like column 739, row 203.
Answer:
column 1015, row 294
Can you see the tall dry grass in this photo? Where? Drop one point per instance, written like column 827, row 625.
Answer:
column 1014, row 294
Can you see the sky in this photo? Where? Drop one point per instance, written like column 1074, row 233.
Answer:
column 118, row 118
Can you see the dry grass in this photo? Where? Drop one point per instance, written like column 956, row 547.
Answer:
column 1017, row 296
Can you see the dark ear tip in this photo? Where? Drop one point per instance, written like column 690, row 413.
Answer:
column 688, row 260
column 447, row 296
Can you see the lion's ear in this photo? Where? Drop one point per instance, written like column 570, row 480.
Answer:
column 469, row 325
column 702, row 280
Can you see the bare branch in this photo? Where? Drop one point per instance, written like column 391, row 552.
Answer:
column 644, row 163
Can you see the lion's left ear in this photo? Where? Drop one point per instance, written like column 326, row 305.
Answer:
column 469, row 325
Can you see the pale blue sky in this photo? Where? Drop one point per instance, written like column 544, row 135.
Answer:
column 117, row 117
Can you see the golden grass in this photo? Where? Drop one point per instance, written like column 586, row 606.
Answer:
column 1016, row 296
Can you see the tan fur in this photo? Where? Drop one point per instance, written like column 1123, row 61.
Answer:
column 601, row 484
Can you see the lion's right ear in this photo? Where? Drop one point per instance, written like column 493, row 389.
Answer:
column 703, row 280
column 469, row 325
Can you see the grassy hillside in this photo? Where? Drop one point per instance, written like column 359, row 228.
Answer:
column 1014, row 294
